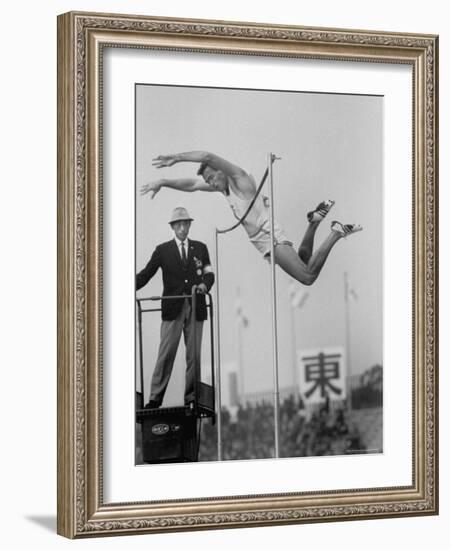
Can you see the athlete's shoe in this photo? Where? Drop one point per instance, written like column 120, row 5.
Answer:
column 320, row 212
column 345, row 230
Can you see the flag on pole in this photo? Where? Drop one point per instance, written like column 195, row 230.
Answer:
column 297, row 295
column 233, row 388
column 242, row 318
column 352, row 294
column 350, row 291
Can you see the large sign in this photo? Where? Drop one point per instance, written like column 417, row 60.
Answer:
column 322, row 373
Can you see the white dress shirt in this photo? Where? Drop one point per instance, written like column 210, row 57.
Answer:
column 186, row 246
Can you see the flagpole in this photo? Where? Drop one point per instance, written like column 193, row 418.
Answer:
column 348, row 344
column 297, row 299
column 276, row 392
column 294, row 350
column 240, row 350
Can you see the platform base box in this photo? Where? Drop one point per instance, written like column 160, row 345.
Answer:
column 169, row 437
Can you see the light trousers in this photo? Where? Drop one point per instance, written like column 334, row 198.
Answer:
column 170, row 338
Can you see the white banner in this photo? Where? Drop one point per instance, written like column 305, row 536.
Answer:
column 322, row 373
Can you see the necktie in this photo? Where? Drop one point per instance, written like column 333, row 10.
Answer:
column 183, row 254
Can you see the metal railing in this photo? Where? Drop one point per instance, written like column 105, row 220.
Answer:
column 193, row 297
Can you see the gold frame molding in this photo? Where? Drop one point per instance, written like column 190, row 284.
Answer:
column 81, row 37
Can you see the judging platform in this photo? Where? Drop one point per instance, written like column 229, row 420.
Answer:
column 172, row 434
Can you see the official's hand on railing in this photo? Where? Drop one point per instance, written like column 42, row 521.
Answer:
column 197, row 289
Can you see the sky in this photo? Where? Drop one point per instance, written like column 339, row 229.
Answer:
column 331, row 148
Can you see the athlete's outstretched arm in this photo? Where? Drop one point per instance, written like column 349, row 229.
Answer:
column 211, row 159
column 238, row 174
column 182, row 184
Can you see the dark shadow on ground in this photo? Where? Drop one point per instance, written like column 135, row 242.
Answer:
column 47, row 522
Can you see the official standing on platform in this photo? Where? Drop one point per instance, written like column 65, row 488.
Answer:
column 184, row 263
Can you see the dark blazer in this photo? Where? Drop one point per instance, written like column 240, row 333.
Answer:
column 178, row 279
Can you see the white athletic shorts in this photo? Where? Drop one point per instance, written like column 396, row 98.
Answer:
column 261, row 239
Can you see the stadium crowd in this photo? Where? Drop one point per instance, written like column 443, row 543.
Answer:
column 250, row 433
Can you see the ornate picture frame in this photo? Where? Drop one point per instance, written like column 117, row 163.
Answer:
column 82, row 40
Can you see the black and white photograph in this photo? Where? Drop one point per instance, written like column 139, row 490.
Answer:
column 247, row 274
column 259, row 274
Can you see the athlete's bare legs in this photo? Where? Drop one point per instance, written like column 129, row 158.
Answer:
column 314, row 218
column 307, row 273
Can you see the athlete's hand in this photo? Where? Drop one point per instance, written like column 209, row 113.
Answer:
column 152, row 188
column 164, row 161
column 201, row 288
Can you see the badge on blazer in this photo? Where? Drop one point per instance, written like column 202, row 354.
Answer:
column 198, row 265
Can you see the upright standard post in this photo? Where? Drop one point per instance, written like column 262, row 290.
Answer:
column 141, row 359
column 218, row 379
column 276, row 392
